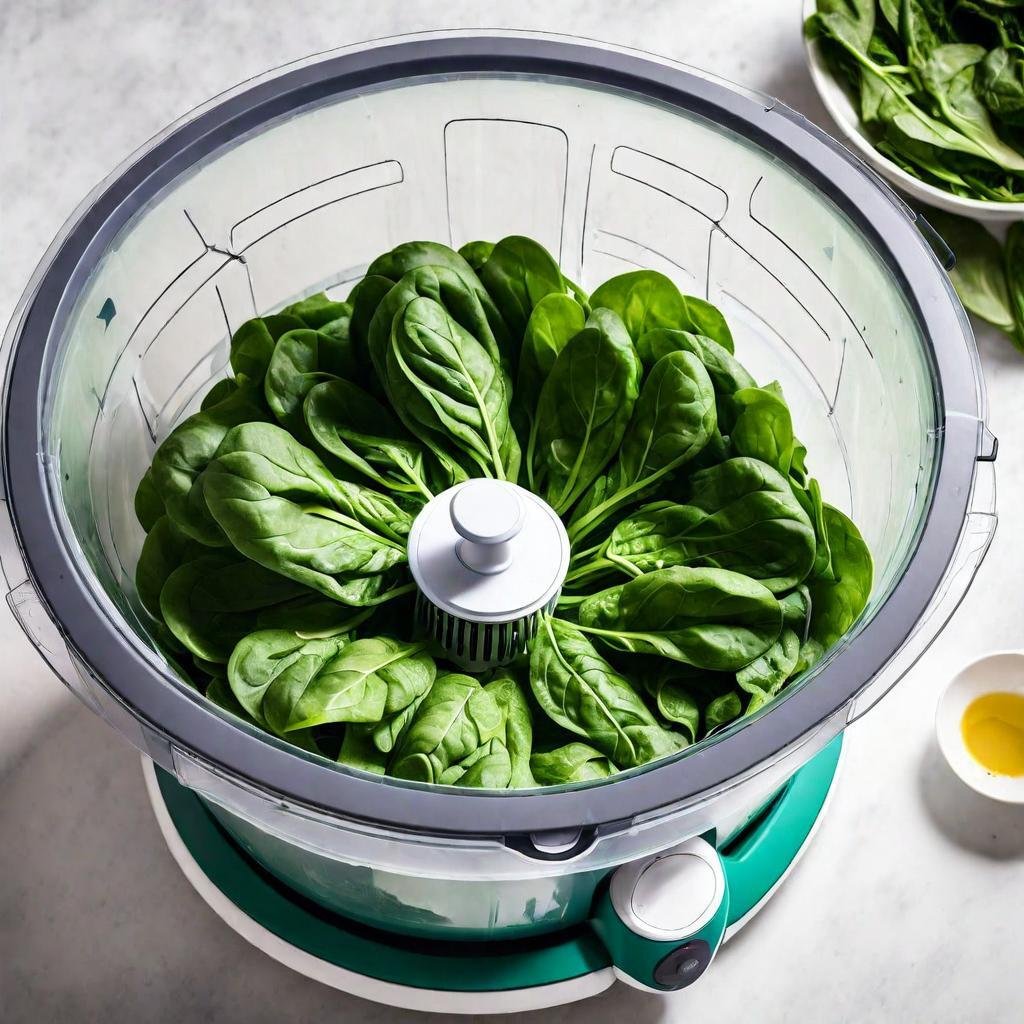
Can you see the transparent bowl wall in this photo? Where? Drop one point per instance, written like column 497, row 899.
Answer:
column 608, row 182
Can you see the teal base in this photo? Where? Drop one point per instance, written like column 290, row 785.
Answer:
column 558, row 967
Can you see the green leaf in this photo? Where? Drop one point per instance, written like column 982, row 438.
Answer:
column 583, row 409
column 1014, row 263
column 836, row 604
column 164, row 550
column 764, row 677
column 709, row 618
column 298, row 684
column 519, row 272
column 581, row 692
column 317, row 310
column 456, row 719
column 645, row 299
column 179, row 462
column 357, row 429
column 555, row 320
column 575, row 762
column 673, row 419
column 301, row 360
column 742, row 515
column 210, row 603
column 444, row 384
column 518, row 739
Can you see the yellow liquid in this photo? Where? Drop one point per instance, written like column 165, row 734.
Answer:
column 993, row 732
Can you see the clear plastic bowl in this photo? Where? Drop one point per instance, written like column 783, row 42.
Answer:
column 613, row 160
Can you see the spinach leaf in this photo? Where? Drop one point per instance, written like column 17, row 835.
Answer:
column 355, row 428
column 210, row 603
column 836, row 604
column 709, row 618
column 575, row 762
column 444, row 384
column 316, row 311
column 176, row 472
column 489, row 767
column 302, row 359
column 252, row 345
column 440, row 273
column 518, row 738
column 581, row 692
column 358, row 750
column 164, row 550
column 476, row 253
column 298, row 684
column 149, row 505
column 721, row 711
column 456, row 719
column 726, row 372
column 518, row 273
column 999, row 81
column 221, row 389
column 555, row 320
column 948, row 75
column 583, row 409
column 979, row 276
column 264, row 489
column 764, row 677
column 645, row 299
column 1014, row 256
column 672, row 421
column 742, row 515
column 675, row 702
column 364, row 299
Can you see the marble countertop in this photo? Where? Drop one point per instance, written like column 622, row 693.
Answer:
column 907, row 905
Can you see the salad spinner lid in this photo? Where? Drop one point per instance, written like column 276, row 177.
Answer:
column 488, row 551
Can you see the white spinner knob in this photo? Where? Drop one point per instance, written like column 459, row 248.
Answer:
column 488, row 519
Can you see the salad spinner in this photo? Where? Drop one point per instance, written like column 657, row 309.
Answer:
column 469, row 900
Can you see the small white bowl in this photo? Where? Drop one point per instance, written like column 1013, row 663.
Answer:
column 843, row 112
column 1001, row 672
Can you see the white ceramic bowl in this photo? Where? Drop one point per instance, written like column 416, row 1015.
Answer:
column 843, row 112
column 1001, row 672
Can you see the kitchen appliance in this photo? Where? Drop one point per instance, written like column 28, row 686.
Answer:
column 613, row 159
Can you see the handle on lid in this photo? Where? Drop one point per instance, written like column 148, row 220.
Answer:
column 488, row 516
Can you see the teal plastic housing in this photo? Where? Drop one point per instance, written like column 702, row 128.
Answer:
column 755, row 860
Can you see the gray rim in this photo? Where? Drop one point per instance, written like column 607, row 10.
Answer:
column 144, row 688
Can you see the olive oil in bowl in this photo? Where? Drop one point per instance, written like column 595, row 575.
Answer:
column 992, row 727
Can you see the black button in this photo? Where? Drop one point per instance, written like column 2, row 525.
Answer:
column 684, row 965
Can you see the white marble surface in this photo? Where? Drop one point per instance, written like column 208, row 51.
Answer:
column 906, row 909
